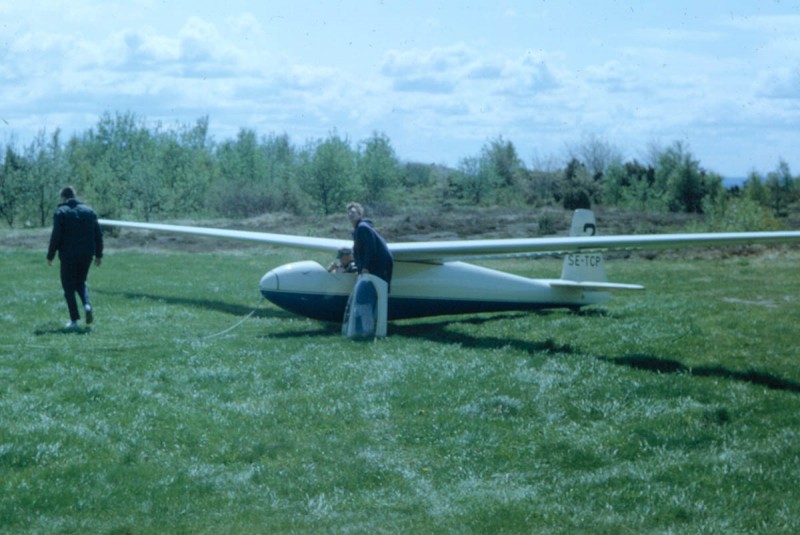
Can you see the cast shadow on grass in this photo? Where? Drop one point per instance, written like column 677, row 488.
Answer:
column 660, row 365
column 48, row 329
column 322, row 329
column 437, row 332
column 208, row 304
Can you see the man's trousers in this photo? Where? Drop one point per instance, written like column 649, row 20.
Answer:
column 73, row 280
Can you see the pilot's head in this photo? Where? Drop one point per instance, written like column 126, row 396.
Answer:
column 344, row 255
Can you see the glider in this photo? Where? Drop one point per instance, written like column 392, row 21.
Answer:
column 432, row 278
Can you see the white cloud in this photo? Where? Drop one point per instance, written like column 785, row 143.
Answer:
column 247, row 26
column 532, row 77
column 432, row 62
column 634, row 75
column 145, row 50
column 781, row 83
column 765, row 24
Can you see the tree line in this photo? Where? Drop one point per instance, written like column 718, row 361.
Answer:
column 127, row 169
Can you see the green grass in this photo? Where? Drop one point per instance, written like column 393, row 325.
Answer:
column 676, row 410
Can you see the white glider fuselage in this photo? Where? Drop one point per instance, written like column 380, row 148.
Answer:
column 431, row 278
column 421, row 289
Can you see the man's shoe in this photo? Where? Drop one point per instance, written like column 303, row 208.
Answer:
column 89, row 315
column 71, row 326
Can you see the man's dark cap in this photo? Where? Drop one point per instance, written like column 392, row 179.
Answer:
column 68, row 192
column 344, row 251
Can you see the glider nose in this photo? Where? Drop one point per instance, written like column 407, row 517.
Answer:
column 269, row 282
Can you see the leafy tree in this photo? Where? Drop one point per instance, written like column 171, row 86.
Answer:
column 126, row 168
column 239, row 159
column 595, row 154
column 105, row 159
column 473, row 180
column 712, row 186
column 242, row 190
column 503, row 162
column 643, row 193
column 187, row 167
column 542, row 182
column 780, row 188
column 329, row 173
column 755, row 190
column 378, row 168
column 147, row 191
column 506, row 171
column 542, row 187
column 727, row 213
column 578, row 189
column 256, row 176
column 678, row 174
column 283, row 174
column 12, row 184
column 616, row 183
column 79, row 154
column 47, row 171
column 416, row 174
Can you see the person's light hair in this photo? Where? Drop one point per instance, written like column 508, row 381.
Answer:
column 358, row 208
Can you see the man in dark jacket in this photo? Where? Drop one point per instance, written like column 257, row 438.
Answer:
column 370, row 250
column 369, row 312
column 77, row 238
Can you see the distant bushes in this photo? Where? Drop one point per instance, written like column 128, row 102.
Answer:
column 127, row 168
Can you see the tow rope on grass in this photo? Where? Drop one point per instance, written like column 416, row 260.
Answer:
column 232, row 327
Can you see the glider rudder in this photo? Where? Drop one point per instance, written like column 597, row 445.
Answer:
column 584, row 267
column 587, row 270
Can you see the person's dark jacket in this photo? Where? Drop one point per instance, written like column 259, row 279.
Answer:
column 76, row 234
column 371, row 252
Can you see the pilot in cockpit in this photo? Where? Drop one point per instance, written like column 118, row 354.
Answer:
column 344, row 262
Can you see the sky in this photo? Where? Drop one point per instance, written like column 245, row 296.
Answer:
column 441, row 79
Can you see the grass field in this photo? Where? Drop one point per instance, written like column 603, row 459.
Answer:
column 675, row 410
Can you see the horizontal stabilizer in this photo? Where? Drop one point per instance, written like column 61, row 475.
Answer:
column 590, row 286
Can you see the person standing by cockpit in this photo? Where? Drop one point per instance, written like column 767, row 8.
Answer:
column 371, row 253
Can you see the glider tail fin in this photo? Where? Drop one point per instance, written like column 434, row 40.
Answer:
column 584, row 267
column 587, row 271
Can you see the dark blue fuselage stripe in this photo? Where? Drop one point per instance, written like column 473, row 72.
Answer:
column 331, row 307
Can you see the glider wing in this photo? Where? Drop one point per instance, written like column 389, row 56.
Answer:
column 443, row 251
column 302, row 242
column 466, row 249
